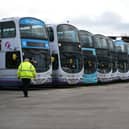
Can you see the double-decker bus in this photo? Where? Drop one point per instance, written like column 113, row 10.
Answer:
column 113, row 57
column 122, row 55
column 126, row 39
column 128, row 58
column 89, row 57
column 103, row 58
column 19, row 38
column 66, row 54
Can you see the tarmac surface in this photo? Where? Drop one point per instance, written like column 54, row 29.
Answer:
column 95, row 107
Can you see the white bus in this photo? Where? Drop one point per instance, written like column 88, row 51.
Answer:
column 114, row 59
column 104, row 70
column 21, row 37
column 126, row 39
column 67, row 55
column 122, row 55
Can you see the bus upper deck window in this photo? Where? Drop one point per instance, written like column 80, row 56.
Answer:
column 8, row 29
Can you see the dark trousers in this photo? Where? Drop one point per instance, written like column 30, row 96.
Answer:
column 25, row 86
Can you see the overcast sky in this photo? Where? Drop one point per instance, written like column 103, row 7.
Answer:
column 108, row 17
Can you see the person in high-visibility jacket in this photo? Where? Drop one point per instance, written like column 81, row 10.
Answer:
column 26, row 71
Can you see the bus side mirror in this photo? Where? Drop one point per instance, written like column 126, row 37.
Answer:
column 14, row 57
column 52, row 59
column 71, row 61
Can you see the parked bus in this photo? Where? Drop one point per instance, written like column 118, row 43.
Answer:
column 113, row 57
column 122, row 54
column 126, row 39
column 89, row 57
column 19, row 38
column 66, row 54
column 103, row 58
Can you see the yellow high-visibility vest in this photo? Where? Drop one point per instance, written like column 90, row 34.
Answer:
column 26, row 70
